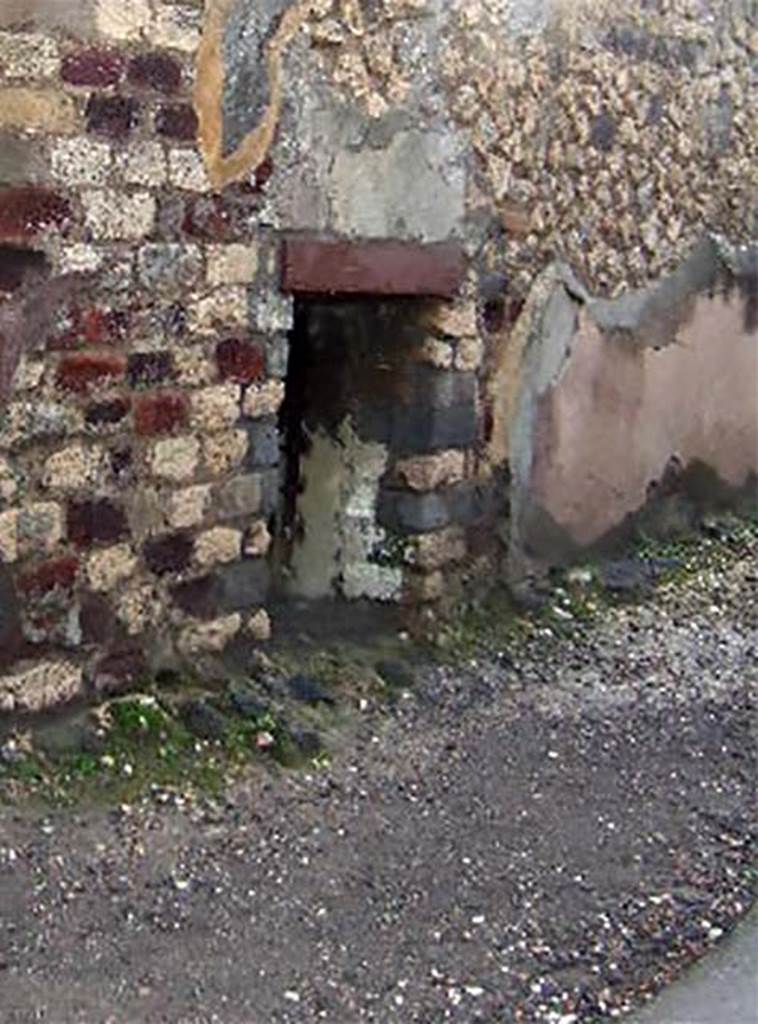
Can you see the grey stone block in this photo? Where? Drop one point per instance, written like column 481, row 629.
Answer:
column 243, row 585
column 241, row 496
column 263, row 449
column 277, row 356
column 270, row 491
column 408, row 512
column 418, row 430
column 441, row 389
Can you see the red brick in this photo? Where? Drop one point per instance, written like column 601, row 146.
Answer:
column 177, row 121
column 240, row 360
column 92, row 522
column 262, row 174
column 90, row 326
column 171, row 553
column 155, row 71
column 80, row 370
column 221, row 218
column 26, row 211
column 317, row 267
column 93, row 68
column 58, row 573
column 162, row 412
column 114, row 116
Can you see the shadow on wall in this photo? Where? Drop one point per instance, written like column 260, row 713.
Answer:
column 640, row 412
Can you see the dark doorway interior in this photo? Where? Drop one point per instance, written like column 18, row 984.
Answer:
column 351, row 369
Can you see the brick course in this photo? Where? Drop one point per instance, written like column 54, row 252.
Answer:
column 140, row 439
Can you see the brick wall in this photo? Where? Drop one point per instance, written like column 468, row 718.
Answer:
column 127, row 476
column 144, row 344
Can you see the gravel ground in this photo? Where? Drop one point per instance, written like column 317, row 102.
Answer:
column 548, row 836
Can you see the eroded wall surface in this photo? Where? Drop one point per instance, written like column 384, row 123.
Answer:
column 638, row 411
column 152, row 154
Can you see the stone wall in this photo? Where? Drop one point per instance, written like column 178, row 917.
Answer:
column 153, row 157
column 132, row 467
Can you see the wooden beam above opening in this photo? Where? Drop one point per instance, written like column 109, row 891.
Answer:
column 341, row 268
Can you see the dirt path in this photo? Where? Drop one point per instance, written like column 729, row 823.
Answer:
column 547, row 838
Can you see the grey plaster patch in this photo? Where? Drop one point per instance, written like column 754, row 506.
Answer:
column 250, row 27
column 547, row 353
column 22, row 161
column 415, row 188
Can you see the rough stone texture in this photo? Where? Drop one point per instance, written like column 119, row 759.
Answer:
column 125, row 21
column 259, row 626
column 206, row 637
column 9, row 536
column 426, row 473
column 176, row 459
column 169, row 268
column 111, row 215
column 37, row 110
column 224, row 452
column 26, row 212
column 40, row 528
column 138, row 608
column 81, row 161
column 232, row 264
column 143, row 164
column 168, row 554
column 177, row 27
column 28, row 56
column 188, row 507
column 155, row 71
column 112, row 116
column 221, row 544
column 263, row 400
column 93, row 68
column 216, row 407
column 161, row 412
column 258, row 540
column 91, row 522
column 186, row 170
column 44, row 685
column 469, row 355
column 240, row 360
column 107, row 569
column 176, row 121
column 432, row 551
column 436, row 353
column 240, row 496
column 74, row 468
column 225, row 307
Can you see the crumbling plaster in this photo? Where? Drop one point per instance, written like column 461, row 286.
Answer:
column 610, row 397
